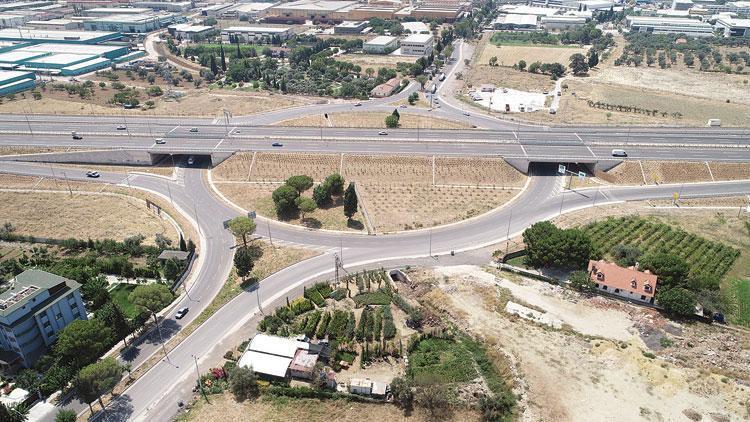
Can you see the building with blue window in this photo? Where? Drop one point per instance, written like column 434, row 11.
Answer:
column 34, row 307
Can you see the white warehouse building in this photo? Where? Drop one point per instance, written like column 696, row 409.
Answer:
column 254, row 34
column 380, row 45
column 417, row 45
column 662, row 25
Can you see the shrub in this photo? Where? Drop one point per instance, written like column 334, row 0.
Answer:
column 243, row 383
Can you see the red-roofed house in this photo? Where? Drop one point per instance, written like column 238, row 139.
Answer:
column 624, row 282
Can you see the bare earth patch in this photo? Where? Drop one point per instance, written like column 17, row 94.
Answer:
column 83, row 216
column 160, row 170
column 659, row 172
column 508, row 55
column 375, row 61
column 596, row 372
column 371, row 119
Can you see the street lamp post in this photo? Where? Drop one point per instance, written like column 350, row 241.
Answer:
column 198, row 372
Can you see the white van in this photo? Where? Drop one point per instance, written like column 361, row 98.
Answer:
column 714, row 123
column 619, row 153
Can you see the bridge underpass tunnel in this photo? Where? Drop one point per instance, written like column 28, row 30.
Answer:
column 182, row 160
column 552, row 168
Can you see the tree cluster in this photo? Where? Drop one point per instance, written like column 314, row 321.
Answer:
column 550, row 246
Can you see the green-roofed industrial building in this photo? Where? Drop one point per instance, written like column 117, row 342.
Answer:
column 34, row 307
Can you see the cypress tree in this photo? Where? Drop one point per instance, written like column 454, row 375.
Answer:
column 350, row 201
column 223, row 58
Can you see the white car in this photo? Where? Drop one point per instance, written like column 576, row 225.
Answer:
column 160, row 141
column 382, row 132
column 191, row 160
column 181, row 313
column 122, row 127
column 93, row 174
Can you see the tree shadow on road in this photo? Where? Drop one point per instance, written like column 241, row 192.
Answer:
column 355, row 224
column 119, row 409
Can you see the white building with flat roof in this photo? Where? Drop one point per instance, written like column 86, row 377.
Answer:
column 380, row 45
column 166, row 6
column 560, row 22
column 254, row 34
column 186, row 31
column 55, row 24
column 513, row 21
column 415, row 27
column 733, row 27
column 107, row 11
column 252, row 10
column 527, row 10
column 417, row 45
column 663, row 25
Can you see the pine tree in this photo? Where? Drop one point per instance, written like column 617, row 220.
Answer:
column 350, row 201
column 183, row 245
column 239, row 52
column 223, row 58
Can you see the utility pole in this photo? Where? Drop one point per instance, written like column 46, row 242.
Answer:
column 507, row 235
column 197, row 371
column 169, row 191
column 430, row 242
column 68, row 183
column 270, row 239
column 161, row 339
column 29, row 124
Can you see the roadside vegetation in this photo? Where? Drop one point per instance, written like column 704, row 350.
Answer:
column 691, row 269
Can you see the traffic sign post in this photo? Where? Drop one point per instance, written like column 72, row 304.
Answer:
column 561, row 168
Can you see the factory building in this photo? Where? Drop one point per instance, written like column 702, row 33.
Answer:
column 12, row 81
column 108, row 11
column 350, row 28
column 562, row 23
column 186, row 31
column 254, row 34
column 247, row 11
column 133, row 24
column 165, row 6
column 55, row 25
column 66, row 37
column 380, row 45
column 663, row 25
column 515, row 22
column 733, row 27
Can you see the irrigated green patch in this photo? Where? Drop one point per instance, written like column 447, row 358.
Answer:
column 737, row 297
column 120, row 296
column 441, row 361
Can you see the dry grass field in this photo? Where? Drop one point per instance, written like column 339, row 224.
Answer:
column 8, row 181
column 387, row 169
column 82, row 216
column 224, row 408
column 730, row 171
column 371, row 119
column 276, row 167
column 710, row 85
column 477, row 172
column 508, row 78
column 463, row 187
column 508, row 55
column 201, row 102
column 257, row 197
column 407, row 207
column 659, row 172
column 375, row 61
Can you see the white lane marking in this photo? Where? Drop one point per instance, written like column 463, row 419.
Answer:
column 592, row 152
column 514, row 134
column 173, row 129
column 579, row 138
column 524, row 150
column 217, row 145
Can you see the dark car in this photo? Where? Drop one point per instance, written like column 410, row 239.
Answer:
column 277, row 144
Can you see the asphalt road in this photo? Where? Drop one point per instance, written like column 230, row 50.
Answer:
column 156, row 394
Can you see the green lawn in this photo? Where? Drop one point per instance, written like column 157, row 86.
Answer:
column 737, row 295
column 120, row 296
column 441, row 361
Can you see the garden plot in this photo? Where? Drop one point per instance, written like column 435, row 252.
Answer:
column 675, row 172
column 406, row 207
column 276, row 167
column 477, row 172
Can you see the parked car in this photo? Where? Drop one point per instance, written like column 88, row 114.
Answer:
column 277, row 144
column 181, row 312
column 160, row 141
column 93, row 174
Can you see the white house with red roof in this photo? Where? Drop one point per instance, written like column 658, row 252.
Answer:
column 629, row 283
